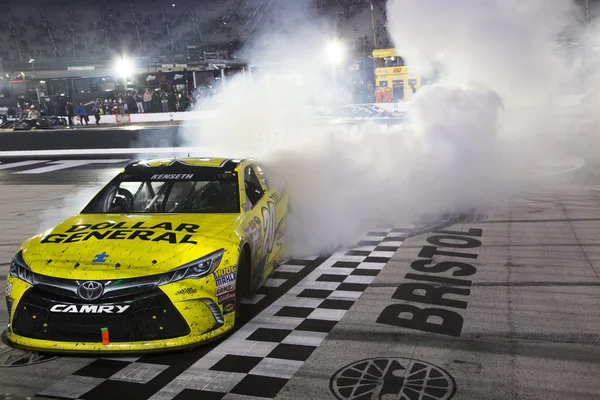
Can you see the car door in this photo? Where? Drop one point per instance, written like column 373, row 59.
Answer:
column 277, row 205
column 262, row 209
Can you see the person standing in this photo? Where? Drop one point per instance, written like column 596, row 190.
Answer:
column 70, row 111
column 82, row 114
column 147, row 100
column 155, row 101
column 96, row 110
column 164, row 101
column 121, row 106
column 171, row 101
column 138, row 102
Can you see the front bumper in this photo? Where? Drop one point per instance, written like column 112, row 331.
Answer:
column 166, row 318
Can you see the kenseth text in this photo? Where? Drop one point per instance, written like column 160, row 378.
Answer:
column 180, row 233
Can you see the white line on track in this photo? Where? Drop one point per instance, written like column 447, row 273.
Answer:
column 64, row 164
column 99, row 152
column 22, row 164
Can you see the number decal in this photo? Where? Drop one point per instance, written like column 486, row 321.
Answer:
column 269, row 221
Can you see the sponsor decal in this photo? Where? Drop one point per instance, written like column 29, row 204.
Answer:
column 150, row 78
column 225, row 270
column 100, row 258
column 225, row 282
column 178, row 76
column 430, row 285
column 171, row 176
column 227, row 297
column 227, row 279
column 187, row 291
column 88, row 309
column 224, row 289
column 123, row 118
column 229, row 307
column 173, row 234
column 8, row 290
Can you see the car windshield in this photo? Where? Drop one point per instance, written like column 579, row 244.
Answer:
column 215, row 196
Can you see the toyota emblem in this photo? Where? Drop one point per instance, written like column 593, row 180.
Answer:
column 90, row 290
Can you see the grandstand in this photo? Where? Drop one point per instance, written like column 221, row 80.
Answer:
column 51, row 30
column 64, row 48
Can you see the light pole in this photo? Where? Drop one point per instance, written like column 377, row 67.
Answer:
column 373, row 25
column 32, row 62
column 587, row 11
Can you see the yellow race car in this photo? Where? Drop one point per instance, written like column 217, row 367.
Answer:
column 158, row 260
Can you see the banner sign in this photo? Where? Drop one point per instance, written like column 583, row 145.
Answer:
column 123, row 118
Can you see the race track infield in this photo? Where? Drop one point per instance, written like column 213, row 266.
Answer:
column 503, row 306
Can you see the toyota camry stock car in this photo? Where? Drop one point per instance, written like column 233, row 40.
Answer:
column 159, row 259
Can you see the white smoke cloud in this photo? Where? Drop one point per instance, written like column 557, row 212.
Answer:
column 504, row 45
column 472, row 139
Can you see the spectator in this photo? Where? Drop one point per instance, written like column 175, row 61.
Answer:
column 155, row 101
column 70, row 111
column 96, row 110
column 138, row 102
column 120, row 105
column 82, row 114
column 172, row 102
column 164, row 100
column 130, row 103
column 34, row 114
column 147, row 100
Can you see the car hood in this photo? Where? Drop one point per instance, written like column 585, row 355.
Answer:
column 106, row 246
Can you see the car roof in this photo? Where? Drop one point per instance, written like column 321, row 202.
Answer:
column 181, row 169
column 191, row 162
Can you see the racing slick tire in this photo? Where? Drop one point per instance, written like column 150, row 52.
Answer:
column 242, row 280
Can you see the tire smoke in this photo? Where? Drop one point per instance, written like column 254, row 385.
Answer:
column 473, row 138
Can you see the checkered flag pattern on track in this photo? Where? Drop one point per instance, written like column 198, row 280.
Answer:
column 303, row 300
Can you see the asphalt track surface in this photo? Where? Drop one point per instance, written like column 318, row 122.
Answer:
column 497, row 305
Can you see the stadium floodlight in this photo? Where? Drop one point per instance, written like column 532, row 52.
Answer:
column 124, row 67
column 335, row 52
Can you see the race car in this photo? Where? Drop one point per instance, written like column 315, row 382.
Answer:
column 158, row 260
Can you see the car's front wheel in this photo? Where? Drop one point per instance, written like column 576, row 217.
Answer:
column 242, row 279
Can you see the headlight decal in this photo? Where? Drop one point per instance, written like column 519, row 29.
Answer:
column 195, row 269
column 20, row 270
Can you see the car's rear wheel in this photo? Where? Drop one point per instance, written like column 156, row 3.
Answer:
column 242, row 280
